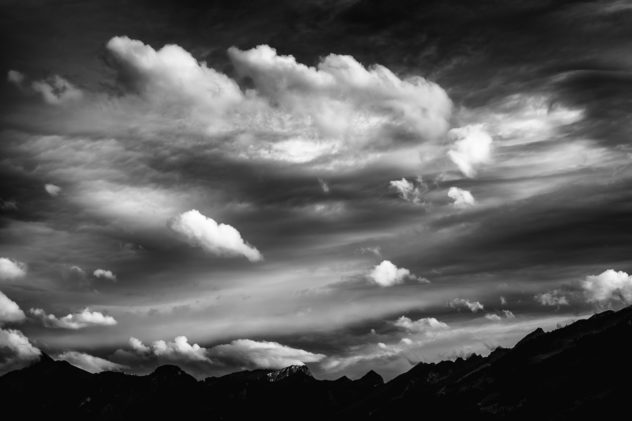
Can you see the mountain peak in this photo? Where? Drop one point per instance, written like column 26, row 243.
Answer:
column 169, row 370
column 45, row 358
column 289, row 371
column 531, row 336
column 372, row 378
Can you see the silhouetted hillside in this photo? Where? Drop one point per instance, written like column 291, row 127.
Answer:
column 580, row 371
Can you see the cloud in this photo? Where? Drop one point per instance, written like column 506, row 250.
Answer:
column 8, row 205
column 340, row 96
column 552, row 298
column 88, row 362
column 56, row 90
column 171, row 75
column 9, row 310
column 324, row 186
column 386, row 274
column 52, row 189
column 217, row 239
column 15, row 350
column 240, row 353
column 472, row 148
column 74, row 321
column 262, row 354
column 53, row 90
column 409, row 191
column 11, row 269
column 376, row 251
column 609, row 285
column 508, row 314
column 422, row 325
column 505, row 314
column 473, row 306
column 15, row 77
column 462, row 198
column 177, row 350
column 104, row 274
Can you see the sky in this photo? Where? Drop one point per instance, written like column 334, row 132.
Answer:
column 351, row 185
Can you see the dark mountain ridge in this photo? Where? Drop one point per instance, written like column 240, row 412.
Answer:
column 579, row 371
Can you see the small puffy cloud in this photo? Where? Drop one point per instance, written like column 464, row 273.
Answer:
column 503, row 300
column 217, row 239
column 56, row 90
column 262, row 354
column 15, row 77
column 504, row 314
column 104, row 274
column 609, row 285
column 462, row 198
column 11, row 269
column 472, row 148
column 138, row 346
column 9, row 310
column 422, row 325
column 177, row 350
column 409, row 191
column 15, row 350
column 52, row 189
column 386, row 274
column 472, row 306
column 552, row 298
column 8, row 205
column 53, row 90
column 88, row 362
column 376, row 251
column 73, row 321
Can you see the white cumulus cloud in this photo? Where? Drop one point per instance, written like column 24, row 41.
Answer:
column 73, row 321
column 11, row 269
column 172, row 76
column 104, row 274
column 16, row 350
column 408, row 190
column 218, row 239
column 9, row 310
column 340, row 95
column 504, row 314
column 609, row 285
column 552, row 298
column 472, row 148
column 177, row 350
column 386, row 274
column 52, row 189
column 421, row 325
column 462, row 198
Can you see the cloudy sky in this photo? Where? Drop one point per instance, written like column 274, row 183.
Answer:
column 348, row 184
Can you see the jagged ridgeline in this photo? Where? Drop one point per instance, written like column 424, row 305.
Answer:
column 581, row 371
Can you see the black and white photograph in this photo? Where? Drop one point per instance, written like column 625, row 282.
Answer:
column 315, row 209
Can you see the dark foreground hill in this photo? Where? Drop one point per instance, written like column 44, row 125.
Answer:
column 581, row 371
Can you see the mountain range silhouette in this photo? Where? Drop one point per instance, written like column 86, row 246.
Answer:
column 580, row 371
